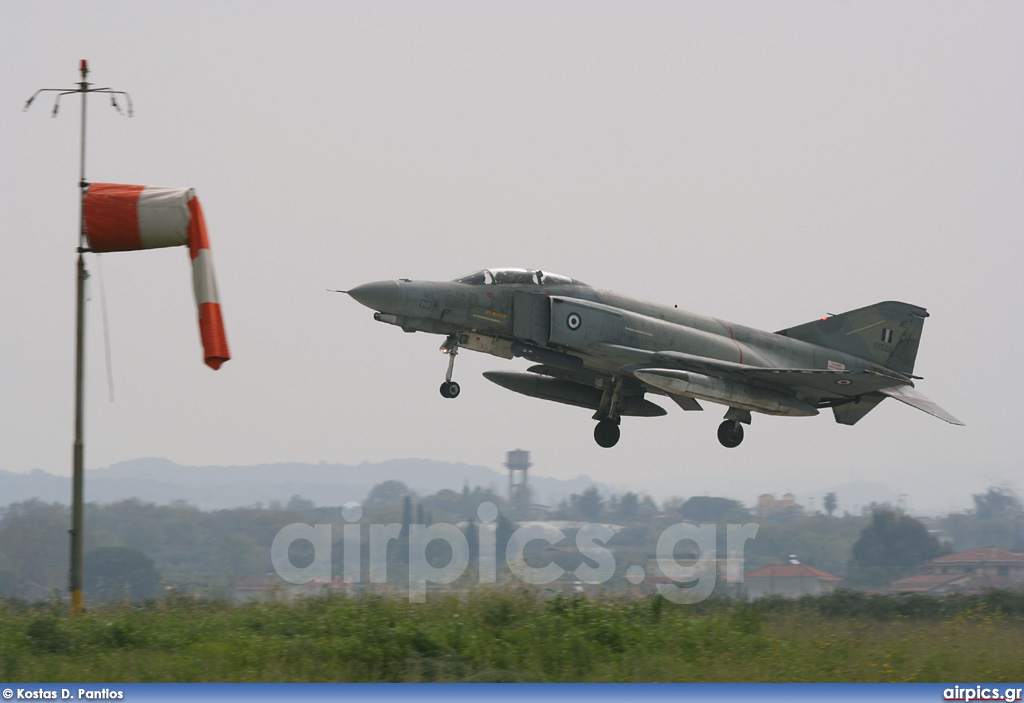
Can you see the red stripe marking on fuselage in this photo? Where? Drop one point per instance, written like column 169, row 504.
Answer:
column 733, row 338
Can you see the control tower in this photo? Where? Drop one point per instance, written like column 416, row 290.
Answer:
column 518, row 488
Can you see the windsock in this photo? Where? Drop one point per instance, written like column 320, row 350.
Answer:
column 125, row 218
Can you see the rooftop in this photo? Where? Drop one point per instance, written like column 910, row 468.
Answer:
column 984, row 554
column 792, row 571
column 925, row 582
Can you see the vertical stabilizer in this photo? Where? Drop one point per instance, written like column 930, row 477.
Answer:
column 887, row 333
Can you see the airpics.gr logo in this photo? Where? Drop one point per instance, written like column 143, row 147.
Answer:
column 687, row 583
column 981, row 693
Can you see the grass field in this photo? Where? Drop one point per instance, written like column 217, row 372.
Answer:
column 516, row 636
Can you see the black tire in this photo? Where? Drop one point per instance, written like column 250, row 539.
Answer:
column 450, row 389
column 606, row 434
column 730, row 434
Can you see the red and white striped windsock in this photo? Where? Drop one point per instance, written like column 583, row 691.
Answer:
column 125, row 218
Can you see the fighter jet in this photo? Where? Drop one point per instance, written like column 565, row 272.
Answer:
column 607, row 352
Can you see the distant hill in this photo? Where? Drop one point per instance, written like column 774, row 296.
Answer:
column 155, row 480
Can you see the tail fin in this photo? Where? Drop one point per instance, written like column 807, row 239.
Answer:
column 887, row 333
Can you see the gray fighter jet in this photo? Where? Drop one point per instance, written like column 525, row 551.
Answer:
column 604, row 351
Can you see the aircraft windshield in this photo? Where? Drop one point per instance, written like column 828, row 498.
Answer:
column 477, row 278
column 487, row 277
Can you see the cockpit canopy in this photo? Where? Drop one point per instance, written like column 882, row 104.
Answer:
column 489, row 277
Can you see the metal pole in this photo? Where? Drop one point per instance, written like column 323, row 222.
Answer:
column 78, row 463
column 78, row 470
column 77, row 530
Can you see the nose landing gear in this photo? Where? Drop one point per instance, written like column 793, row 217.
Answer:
column 450, row 389
column 607, row 432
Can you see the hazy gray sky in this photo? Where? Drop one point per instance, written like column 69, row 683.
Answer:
column 765, row 163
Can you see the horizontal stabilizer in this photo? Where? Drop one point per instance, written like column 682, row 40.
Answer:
column 915, row 399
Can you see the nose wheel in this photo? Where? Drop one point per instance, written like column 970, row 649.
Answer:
column 450, row 389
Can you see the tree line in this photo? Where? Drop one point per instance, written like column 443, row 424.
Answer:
column 134, row 549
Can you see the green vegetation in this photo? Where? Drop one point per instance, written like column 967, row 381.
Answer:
column 137, row 549
column 820, row 541
column 896, row 543
column 516, row 635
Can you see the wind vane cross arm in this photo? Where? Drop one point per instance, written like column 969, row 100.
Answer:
column 83, row 88
column 61, row 92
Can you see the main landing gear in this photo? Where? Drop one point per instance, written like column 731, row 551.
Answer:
column 606, row 433
column 450, row 389
column 730, row 432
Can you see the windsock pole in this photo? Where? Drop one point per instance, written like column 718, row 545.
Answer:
column 77, row 530
column 78, row 462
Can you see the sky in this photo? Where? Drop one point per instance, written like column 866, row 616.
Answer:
column 763, row 163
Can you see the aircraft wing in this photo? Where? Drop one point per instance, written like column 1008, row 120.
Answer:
column 826, row 381
column 811, row 382
column 820, row 383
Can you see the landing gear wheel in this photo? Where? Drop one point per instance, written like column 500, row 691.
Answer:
column 730, row 433
column 606, row 434
column 450, row 389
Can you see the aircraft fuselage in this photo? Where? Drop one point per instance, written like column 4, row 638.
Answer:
column 603, row 350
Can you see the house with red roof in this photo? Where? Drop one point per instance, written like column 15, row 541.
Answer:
column 334, row 586
column 986, row 561
column 930, row 584
column 971, row 571
column 259, row 587
column 788, row 580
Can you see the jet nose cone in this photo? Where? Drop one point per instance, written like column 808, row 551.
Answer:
column 382, row 296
